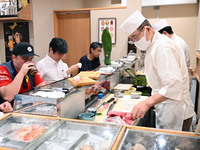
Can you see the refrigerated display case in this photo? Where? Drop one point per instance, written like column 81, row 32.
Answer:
column 76, row 135
column 59, row 99
column 148, row 139
column 21, row 132
column 63, row 99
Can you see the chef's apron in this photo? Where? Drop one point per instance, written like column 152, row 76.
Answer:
column 170, row 115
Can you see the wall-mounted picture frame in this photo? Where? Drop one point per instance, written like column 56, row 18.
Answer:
column 15, row 32
column 110, row 25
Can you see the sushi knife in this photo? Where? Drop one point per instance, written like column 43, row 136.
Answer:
column 111, row 107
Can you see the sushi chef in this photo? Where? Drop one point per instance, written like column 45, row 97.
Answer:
column 166, row 73
column 14, row 75
column 51, row 67
column 162, row 27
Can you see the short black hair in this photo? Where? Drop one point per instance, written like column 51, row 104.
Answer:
column 168, row 29
column 18, row 29
column 58, row 45
column 95, row 45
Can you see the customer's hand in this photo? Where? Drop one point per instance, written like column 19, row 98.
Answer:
column 26, row 66
column 72, row 70
column 6, row 107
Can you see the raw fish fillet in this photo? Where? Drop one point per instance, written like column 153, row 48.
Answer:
column 29, row 132
column 125, row 116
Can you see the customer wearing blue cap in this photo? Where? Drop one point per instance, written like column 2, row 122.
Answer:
column 14, row 75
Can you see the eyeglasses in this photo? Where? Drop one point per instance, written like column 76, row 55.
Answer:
column 135, row 38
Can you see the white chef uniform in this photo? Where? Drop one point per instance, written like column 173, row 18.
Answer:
column 159, row 25
column 167, row 74
column 50, row 70
column 185, row 52
column 183, row 46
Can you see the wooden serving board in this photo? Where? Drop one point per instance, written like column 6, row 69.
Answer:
column 124, row 87
column 85, row 81
column 91, row 74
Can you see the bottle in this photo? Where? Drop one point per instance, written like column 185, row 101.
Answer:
column 10, row 42
column 100, row 98
column 99, row 102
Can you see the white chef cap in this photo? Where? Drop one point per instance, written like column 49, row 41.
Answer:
column 160, row 25
column 132, row 22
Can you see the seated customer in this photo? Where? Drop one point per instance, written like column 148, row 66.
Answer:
column 6, row 107
column 51, row 67
column 91, row 60
column 14, row 76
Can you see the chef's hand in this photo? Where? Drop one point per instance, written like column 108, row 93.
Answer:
column 26, row 66
column 6, row 107
column 140, row 109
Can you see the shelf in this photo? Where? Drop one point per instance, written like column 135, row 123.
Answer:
column 24, row 14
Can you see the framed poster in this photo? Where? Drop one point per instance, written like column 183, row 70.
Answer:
column 110, row 25
column 14, row 32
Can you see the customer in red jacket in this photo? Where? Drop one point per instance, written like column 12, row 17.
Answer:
column 14, row 76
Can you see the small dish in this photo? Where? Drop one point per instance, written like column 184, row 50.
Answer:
column 118, row 93
column 87, row 116
column 135, row 94
column 92, row 110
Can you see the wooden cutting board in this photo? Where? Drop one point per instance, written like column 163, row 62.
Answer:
column 123, row 87
column 85, row 81
column 91, row 74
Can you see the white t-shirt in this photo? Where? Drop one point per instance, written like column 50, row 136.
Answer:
column 50, row 70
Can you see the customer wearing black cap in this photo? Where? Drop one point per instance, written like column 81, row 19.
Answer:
column 14, row 75
column 51, row 67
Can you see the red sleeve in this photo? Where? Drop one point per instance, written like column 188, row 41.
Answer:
column 38, row 79
column 5, row 77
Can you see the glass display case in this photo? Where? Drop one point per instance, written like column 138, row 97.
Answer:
column 145, row 139
column 48, row 109
column 74, row 135
column 20, row 132
column 59, row 99
column 63, row 99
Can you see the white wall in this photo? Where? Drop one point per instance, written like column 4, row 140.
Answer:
column 184, row 21
column 101, row 3
column 120, row 48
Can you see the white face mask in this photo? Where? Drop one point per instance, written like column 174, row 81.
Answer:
column 142, row 44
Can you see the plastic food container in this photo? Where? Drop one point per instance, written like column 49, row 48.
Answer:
column 118, row 93
column 135, row 94
column 92, row 110
column 87, row 116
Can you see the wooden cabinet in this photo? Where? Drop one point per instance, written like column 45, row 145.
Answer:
column 24, row 14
